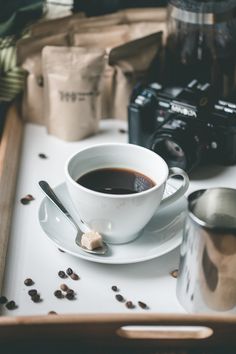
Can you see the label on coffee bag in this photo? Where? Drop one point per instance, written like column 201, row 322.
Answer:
column 72, row 91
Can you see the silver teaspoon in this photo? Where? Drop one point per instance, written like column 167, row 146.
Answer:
column 56, row 201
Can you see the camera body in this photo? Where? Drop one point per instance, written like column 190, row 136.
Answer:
column 186, row 126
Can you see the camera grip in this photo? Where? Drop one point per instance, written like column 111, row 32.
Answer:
column 176, row 171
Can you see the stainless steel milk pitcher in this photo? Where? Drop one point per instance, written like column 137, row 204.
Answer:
column 207, row 271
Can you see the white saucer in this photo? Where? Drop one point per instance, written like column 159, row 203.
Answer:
column 162, row 234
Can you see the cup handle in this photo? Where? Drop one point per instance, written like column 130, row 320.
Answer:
column 176, row 171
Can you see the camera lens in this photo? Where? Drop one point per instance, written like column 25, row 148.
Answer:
column 171, row 152
column 179, row 148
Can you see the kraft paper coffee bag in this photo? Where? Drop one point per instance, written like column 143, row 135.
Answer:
column 131, row 62
column 74, row 23
column 119, row 82
column 97, row 32
column 98, row 21
column 142, row 29
column 155, row 14
column 72, row 90
column 54, row 26
column 106, row 38
column 29, row 58
column 32, row 46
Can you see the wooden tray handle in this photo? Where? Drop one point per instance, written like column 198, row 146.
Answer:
column 122, row 329
column 165, row 332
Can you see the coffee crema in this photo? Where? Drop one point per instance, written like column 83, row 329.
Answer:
column 116, row 181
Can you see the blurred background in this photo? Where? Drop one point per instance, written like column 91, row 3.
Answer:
column 155, row 52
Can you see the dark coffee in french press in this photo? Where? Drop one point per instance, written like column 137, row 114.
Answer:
column 201, row 44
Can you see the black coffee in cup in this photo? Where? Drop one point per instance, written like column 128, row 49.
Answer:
column 116, row 181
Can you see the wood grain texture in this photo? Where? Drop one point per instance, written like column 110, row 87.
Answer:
column 10, row 147
column 103, row 330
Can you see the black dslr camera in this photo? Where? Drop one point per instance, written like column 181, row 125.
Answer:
column 185, row 126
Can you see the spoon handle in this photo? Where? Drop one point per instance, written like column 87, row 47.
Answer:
column 85, row 228
column 52, row 196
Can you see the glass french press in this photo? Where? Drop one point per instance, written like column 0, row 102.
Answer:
column 201, row 44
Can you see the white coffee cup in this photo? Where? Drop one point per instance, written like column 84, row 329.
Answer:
column 120, row 217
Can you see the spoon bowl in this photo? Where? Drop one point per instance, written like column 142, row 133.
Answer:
column 48, row 191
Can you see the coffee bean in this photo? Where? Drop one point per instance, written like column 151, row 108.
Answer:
column 58, row 294
column 32, row 292
column 42, row 156
column 52, row 313
column 11, row 305
column 174, row 273
column 3, row 300
column 120, row 298
column 28, row 282
column 69, row 271
column 24, row 201
column 122, row 131
column 74, row 276
column 114, row 288
column 29, row 197
column 129, row 305
column 62, row 274
column 70, row 291
column 142, row 305
column 64, row 287
column 70, row 295
column 36, row 298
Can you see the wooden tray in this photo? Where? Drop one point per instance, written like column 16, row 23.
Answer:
column 146, row 332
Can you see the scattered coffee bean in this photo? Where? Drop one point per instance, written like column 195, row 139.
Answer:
column 62, row 274
column 36, row 298
column 59, row 249
column 43, row 156
column 70, row 295
column 32, row 292
column 120, row 298
column 29, row 197
column 114, row 288
column 69, row 271
column 174, row 273
column 24, row 201
column 122, row 131
column 64, row 287
column 129, row 305
column 52, row 313
column 58, row 294
column 11, row 305
column 28, row 282
column 70, row 291
column 3, row 300
column 142, row 305
column 74, row 276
